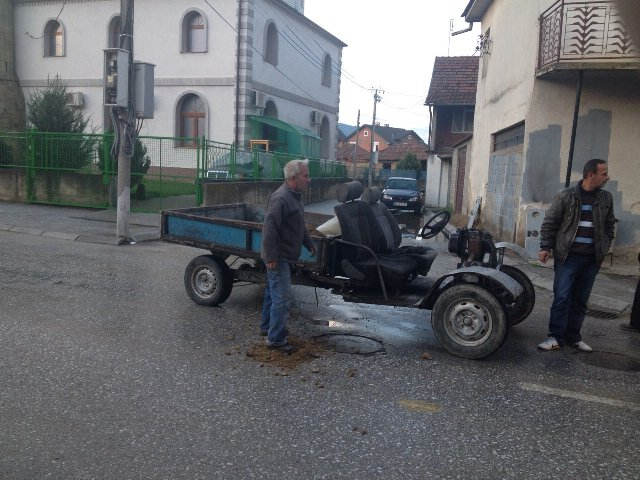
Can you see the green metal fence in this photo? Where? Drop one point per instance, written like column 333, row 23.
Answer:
column 167, row 172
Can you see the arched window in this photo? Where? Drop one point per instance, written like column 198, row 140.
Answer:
column 114, row 32
column 271, row 45
column 326, row 71
column 191, row 119
column 53, row 39
column 325, row 138
column 194, row 33
column 270, row 109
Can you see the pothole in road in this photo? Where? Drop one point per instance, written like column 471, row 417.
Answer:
column 349, row 343
column 611, row 361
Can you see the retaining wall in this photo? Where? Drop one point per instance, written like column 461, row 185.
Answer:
column 257, row 193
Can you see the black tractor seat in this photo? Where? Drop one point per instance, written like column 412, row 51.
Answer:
column 390, row 231
column 366, row 254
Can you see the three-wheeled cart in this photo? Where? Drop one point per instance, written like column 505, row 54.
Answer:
column 472, row 307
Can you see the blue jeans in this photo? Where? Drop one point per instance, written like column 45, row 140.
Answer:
column 275, row 307
column 571, row 289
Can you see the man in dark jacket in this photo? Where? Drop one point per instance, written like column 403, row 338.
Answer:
column 283, row 235
column 578, row 228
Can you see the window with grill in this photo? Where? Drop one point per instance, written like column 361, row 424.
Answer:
column 509, row 137
column 53, row 39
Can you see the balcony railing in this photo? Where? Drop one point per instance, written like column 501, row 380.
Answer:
column 584, row 34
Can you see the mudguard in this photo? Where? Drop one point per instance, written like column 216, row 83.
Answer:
column 514, row 248
column 484, row 276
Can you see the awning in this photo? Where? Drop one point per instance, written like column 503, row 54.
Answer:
column 280, row 125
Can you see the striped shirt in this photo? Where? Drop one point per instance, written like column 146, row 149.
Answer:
column 583, row 242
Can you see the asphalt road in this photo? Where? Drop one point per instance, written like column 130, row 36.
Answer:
column 109, row 371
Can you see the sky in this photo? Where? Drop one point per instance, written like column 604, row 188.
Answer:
column 392, row 46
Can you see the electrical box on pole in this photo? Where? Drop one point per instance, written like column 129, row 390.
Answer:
column 116, row 78
column 143, row 78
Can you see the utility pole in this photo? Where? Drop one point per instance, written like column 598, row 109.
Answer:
column 376, row 99
column 355, row 147
column 126, row 130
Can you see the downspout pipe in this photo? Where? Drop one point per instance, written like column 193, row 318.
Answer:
column 574, row 127
column 465, row 30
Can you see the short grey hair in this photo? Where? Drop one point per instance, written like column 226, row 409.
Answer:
column 292, row 168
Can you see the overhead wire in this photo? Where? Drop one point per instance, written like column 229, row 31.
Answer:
column 317, row 61
column 260, row 53
column 64, row 2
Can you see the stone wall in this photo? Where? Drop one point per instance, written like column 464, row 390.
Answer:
column 56, row 187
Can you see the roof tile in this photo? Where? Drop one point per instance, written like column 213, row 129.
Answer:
column 453, row 81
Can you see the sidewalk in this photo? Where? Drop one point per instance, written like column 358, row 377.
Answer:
column 612, row 293
column 75, row 224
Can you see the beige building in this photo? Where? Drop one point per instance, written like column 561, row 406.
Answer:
column 542, row 63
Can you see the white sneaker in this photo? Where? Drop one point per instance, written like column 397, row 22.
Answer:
column 583, row 347
column 549, row 344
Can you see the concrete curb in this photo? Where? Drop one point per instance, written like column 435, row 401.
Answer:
column 78, row 237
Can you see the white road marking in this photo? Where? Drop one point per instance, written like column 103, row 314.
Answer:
column 579, row 396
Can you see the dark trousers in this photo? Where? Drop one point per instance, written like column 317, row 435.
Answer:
column 572, row 285
column 635, row 310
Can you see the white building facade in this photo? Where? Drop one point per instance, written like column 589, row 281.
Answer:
column 220, row 66
column 542, row 61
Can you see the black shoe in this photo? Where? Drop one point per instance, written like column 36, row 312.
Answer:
column 264, row 333
column 284, row 348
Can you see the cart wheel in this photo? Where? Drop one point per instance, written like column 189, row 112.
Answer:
column 527, row 299
column 208, row 280
column 469, row 321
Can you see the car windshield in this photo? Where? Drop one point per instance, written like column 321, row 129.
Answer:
column 402, row 184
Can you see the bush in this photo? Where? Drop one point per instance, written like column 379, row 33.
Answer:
column 140, row 161
column 49, row 112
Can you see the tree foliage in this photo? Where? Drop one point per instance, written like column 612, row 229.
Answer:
column 409, row 162
column 140, row 161
column 48, row 112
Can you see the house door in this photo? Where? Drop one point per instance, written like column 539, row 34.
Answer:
column 462, row 164
column 500, row 211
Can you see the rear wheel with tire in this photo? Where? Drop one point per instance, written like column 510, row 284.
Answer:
column 527, row 299
column 208, row 280
column 469, row 321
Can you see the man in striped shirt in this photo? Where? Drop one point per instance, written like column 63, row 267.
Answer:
column 578, row 228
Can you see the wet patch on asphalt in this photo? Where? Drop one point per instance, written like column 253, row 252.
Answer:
column 351, row 343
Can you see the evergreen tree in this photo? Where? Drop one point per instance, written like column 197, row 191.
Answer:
column 48, row 112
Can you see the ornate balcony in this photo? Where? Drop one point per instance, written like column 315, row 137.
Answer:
column 584, row 35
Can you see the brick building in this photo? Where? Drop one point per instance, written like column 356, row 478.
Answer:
column 451, row 101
